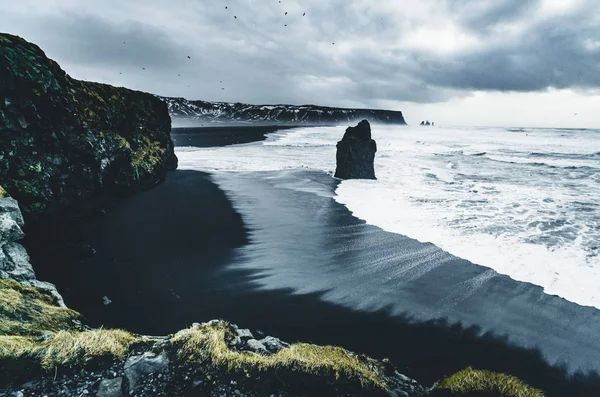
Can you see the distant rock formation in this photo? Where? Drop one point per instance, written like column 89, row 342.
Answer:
column 63, row 141
column 356, row 153
column 184, row 111
column 427, row 123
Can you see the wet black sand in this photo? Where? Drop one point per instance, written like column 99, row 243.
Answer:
column 223, row 135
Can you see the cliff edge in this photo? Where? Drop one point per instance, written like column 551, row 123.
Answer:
column 63, row 140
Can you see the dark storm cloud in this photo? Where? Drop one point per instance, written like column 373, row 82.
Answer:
column 550, row 54
column 256, row 53
column 483, row 15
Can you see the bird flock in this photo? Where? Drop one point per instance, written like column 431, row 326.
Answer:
column 234, row 17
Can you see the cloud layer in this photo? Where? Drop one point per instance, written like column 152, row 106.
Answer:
column 359, row 53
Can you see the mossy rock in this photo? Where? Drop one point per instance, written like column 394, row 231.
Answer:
column 477, row 383
column 63, row 140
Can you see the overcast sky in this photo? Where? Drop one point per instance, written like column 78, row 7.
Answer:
column 457, row 62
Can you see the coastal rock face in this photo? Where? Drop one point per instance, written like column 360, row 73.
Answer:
column 63, row 140
column 14, row 261
column 356, row 153
column 183, row 110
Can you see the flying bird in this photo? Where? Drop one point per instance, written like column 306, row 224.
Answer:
column 304, row 14
column 189, row 57
column 286, row 13
column 235, row 17
column 225, row 7
column 143, row 68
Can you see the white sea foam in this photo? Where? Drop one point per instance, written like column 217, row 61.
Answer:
column 524, row 203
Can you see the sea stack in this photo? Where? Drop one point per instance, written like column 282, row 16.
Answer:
column 356, row 153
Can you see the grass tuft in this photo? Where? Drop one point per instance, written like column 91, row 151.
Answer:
column 66, row 348
column 206, row 347
column 26, row 311
column 3, row 193
column 470, row 382
column 74, row 348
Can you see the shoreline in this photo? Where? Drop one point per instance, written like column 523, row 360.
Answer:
column 224, row 135
column 166, row 278
column 162, row 279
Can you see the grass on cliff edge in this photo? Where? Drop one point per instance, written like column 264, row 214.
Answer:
column 3, row 193
column 25, row 311
column 67, row 348
column 470, row 382
column 206, row 347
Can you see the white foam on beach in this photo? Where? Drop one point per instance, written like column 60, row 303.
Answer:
column 523, row 202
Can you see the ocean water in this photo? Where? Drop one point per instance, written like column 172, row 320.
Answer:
column 524, row 202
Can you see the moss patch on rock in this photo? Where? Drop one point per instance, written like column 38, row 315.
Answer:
column 3, row 193
column 470, row 382
column 26, row 311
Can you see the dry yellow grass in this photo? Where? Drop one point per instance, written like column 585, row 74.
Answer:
column 206, row 347
column 27, row 311
column 3, row 193
column 470, row 381
column 67, row 347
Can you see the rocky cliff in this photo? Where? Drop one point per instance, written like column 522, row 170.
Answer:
column 63, row 140
column 14, row 261
column 183, row 110
column 355, row 155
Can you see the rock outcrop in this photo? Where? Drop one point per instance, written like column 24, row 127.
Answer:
column 356, row 153
column 14, row 261
column 210, row 359
column 63, row 140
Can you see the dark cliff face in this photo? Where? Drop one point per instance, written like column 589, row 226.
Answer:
column 63, row 140
column 355, row 155
column 223, row 112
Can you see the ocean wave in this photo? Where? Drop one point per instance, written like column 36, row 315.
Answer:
column 486, row 207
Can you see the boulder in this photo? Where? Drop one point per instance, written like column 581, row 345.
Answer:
column 63, row 141
column 244, row 334
column 256, row 347
column 273, row 344
column 110, row 388
column 356, row 153
column 136, row 367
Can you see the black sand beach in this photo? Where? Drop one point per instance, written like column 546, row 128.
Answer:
column 298, row 265
column 221, row 136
